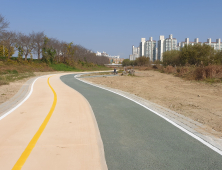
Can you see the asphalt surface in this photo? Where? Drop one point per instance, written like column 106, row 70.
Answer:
column 136, row 138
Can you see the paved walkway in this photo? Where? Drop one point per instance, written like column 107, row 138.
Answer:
column 70, row 140
column 136, row 138
column 17, row 98
column 133, row 137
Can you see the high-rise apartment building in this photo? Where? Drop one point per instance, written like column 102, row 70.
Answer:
column 142, row 43
column 135, row 53
column 188, row 42
column 146, row 48
column 167, row 44
column 150, row 49
column 216, row 45
column 170, row 43
column 161, row 48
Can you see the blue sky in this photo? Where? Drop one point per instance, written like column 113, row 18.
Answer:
column 114, row 26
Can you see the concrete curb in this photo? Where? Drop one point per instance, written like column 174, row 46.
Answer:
column 17, row 98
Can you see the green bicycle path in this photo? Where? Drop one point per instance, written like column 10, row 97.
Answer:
column 134, row 138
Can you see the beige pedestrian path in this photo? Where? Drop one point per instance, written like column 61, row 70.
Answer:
column 71, row 139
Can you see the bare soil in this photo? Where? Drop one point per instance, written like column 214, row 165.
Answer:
column 199, row 101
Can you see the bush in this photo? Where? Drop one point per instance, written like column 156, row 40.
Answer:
column 155, row 67
column 126, row 62
column 193, row 55
column 198, row 73
column 62, row 67
column 142, row 61
column 171, row 58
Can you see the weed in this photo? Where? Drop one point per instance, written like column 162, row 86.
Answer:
column 7, row 78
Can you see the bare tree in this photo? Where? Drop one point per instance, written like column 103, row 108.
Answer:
column 38, row 42
column 58, row 46
column 26, row 42
column 9, row 39
column 3, row 24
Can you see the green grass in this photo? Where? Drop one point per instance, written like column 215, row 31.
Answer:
column 63, row 67
column 212, row 80
column 96, row 68
column 13, row 76
column 12, row 70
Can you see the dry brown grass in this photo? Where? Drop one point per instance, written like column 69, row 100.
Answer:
column 11, row 70
column 21, row 68
column 211, row 73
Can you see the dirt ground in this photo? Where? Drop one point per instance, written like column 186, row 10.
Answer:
column 8, row 91
column 199, row 101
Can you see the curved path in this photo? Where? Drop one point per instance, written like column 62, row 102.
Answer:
column 136, row 138
column 133, row 137
column 69, row 140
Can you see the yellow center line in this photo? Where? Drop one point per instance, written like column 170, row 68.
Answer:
column 35, row 138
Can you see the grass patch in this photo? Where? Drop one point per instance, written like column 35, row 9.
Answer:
column 95, row 68
column 10, row 77
column 63, row 67
column 15, row 69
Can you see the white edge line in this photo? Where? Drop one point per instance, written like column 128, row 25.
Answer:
column 168, row 120
column 29, row 94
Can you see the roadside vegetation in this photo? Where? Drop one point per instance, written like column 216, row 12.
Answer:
column 197, row 62
column 52, row 55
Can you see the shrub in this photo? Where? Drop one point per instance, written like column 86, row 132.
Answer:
column 155, row 67
column 198, row 73
column 142, row 61
column 126, row 62
column 169, row 69
column 171, row 58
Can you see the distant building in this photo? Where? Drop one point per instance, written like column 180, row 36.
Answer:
column 146, row 48
column 216, row 45
column 170, row 43
column 187, row 42
column 150, row 49
column 142, row 43
column 135, row 53
column 102, row 54
column 112, row 59
column 161, row 48
column 115, row 59
column 167, row 44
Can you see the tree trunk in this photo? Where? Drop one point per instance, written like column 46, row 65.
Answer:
column 38, row 54
column 9, row 51
column 9, row 54
column 26, row 55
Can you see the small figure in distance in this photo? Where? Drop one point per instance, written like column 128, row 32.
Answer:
column 115, row 71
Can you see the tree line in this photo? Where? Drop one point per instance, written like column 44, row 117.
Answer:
column 196, row 54
column 49, row 50
column 140, row 61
